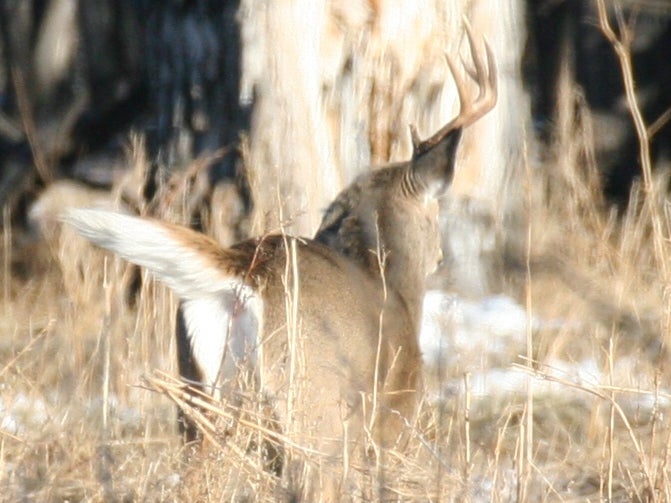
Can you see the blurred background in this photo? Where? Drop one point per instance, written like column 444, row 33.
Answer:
column 547, row 324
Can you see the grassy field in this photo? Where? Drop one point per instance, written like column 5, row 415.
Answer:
column 87, row 404
column 575, row 408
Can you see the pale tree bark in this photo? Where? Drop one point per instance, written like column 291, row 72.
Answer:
column 487, row 198
column 292, row 169
column 336, row 85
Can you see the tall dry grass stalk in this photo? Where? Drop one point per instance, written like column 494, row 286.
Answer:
column 622, row 46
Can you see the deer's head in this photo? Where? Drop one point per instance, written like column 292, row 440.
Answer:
column 387, row 220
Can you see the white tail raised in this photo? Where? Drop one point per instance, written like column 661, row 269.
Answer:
column 194, row 267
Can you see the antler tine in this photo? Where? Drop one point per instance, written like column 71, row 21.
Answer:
column 480, row 67
column 460, row 84
column 485, row 76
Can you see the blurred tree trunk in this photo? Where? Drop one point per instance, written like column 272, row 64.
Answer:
column 336, row 85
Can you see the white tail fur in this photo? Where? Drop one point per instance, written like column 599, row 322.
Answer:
column 222, row 314
column 163, row 250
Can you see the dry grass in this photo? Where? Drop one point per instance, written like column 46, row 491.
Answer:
column 85, row 414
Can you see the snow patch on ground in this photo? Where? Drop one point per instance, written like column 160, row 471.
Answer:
column 452, row 325
column 485, row 339
column 22, row 414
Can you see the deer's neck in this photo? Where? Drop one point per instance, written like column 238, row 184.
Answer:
column 410, row 289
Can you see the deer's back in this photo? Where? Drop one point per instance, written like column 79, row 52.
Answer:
column 331, row 338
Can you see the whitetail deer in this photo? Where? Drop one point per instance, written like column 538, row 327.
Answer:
column 344, row 306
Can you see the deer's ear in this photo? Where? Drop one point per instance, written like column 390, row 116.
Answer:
column 434, row 167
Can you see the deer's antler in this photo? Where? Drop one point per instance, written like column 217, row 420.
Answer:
column 484, row 76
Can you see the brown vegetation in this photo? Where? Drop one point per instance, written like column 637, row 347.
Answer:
column 80, row 418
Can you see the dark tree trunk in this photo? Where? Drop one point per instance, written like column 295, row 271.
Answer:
column 169, row 70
